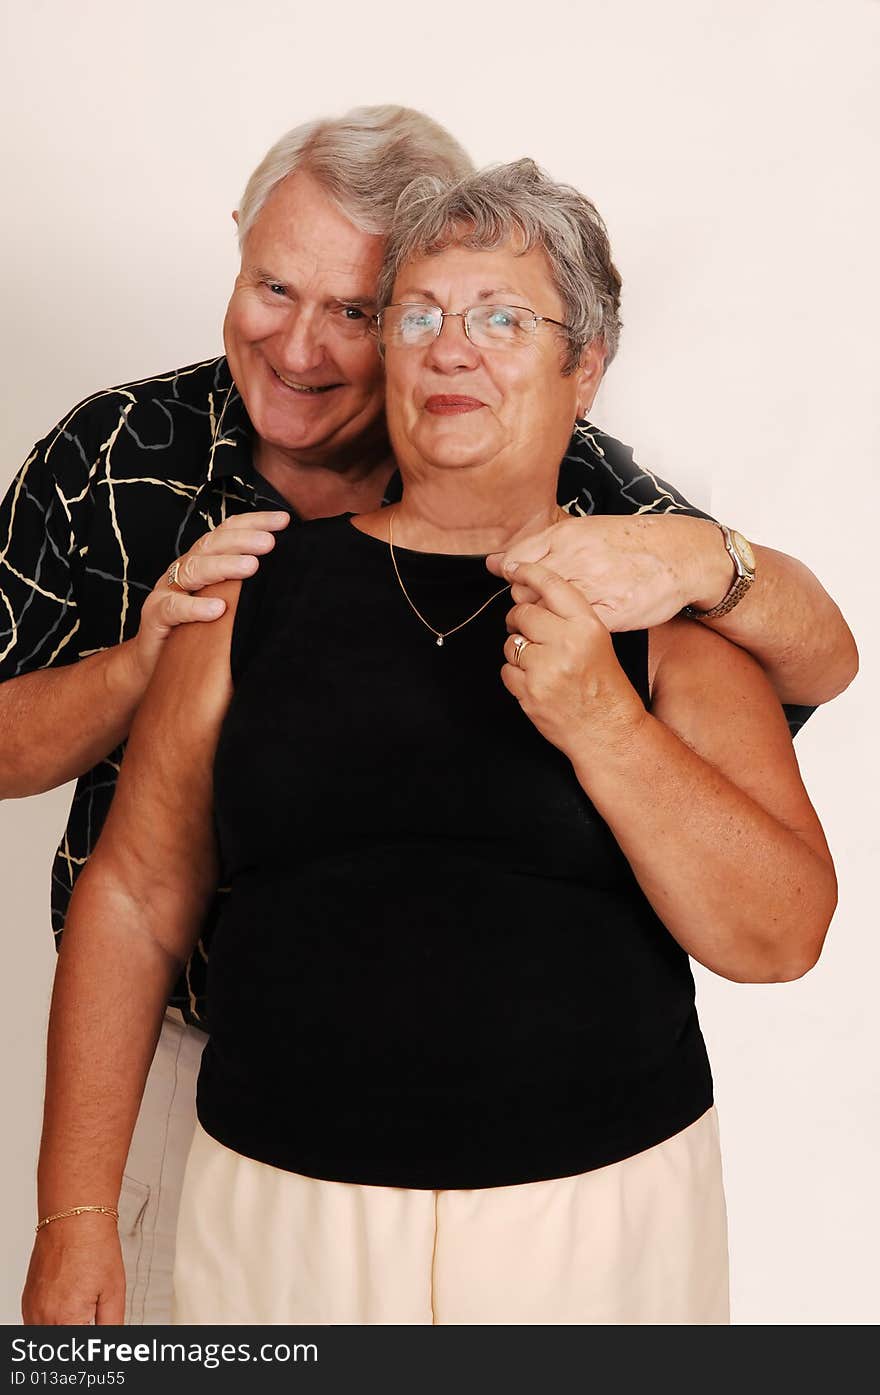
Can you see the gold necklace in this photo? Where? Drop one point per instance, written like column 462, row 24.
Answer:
column 441, row 635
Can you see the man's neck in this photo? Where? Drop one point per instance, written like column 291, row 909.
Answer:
column 325, row 488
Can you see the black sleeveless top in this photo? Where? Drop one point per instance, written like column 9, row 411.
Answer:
column 466, row 986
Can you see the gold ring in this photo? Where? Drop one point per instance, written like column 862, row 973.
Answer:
column 520, row 645
column 171, row 578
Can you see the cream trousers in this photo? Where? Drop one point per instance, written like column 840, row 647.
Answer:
column 640, row 1241
column 154, row 1171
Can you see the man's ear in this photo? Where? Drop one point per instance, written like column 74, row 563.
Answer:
column 589, row 375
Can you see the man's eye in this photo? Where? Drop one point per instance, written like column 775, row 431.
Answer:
column 275, row 287
column 353, row 313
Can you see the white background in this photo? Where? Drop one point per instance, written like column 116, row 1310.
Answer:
column 732, row 148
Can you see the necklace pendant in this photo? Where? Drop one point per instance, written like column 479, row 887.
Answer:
column 439, row 641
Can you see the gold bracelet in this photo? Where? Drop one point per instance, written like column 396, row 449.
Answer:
column 78, row 1211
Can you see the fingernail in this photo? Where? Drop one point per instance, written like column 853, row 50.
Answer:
column 511, row 566
column 215, row 608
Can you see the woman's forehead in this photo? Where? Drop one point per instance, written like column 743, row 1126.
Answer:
column 485, row 273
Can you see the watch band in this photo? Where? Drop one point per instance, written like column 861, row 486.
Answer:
column 741, row 585
column 742, row 582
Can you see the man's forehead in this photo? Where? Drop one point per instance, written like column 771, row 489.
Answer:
column 303, row 260
column 299, row 220
column 352, row 281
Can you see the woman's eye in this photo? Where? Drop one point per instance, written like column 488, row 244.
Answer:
column 502, row 319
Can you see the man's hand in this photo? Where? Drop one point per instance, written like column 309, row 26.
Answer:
column 76, row 1275
column 566, row 678
column 55, row 724
column 637, row 570
column 230, row 551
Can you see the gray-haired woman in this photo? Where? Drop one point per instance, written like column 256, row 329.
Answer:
column 476, row 1090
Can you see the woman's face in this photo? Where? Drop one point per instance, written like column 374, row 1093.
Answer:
column 454, row 406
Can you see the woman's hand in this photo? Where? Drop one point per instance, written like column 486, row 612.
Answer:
column 76, row 1276
column 568, row 680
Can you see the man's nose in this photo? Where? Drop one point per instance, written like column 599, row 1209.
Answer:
column 451, row 349
column 302, row 343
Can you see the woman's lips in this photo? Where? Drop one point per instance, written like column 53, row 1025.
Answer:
column 448, row 405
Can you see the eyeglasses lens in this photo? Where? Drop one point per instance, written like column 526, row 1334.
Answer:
column 488, row 326
column 493, row 326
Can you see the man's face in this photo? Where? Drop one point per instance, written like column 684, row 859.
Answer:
column 296, row 327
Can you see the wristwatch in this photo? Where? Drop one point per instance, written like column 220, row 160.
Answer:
column 743, row 558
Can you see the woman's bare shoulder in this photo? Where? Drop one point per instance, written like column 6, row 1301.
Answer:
column 201, row 647
column 685, row 650
column 191, row 686
column 718, row 700
column 710, row 690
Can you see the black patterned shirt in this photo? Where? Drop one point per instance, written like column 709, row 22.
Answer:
column 128, row 481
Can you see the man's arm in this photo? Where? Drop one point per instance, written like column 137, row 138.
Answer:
column 786, row 620
column 645, row 553
column 57, row 718
column 57, row 723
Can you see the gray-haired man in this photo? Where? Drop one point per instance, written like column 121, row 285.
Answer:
column 290, row 424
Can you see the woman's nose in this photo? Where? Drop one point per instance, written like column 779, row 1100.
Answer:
column 451, row 348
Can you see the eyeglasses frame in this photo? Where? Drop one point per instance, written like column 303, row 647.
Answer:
column 463, row 316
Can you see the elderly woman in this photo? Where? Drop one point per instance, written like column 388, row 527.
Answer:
column 476, row 1090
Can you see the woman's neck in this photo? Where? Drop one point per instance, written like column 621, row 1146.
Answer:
column 455, row 520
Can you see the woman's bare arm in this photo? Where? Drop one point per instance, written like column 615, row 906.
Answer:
column 707, row 803
column 134, row 917
column 702, row 793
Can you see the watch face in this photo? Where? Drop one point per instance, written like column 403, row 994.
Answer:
column 744, row 548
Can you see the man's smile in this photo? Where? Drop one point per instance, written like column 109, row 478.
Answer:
column 304, row 387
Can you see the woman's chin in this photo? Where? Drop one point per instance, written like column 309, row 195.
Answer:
column 459, row 453
column 464, row 460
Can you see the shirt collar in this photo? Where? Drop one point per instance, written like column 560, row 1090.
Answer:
column 232, row 437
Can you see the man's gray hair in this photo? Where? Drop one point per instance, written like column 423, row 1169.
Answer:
column 519, row 202
column 363, row 160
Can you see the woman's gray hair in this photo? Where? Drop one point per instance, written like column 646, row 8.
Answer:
column 363, row 160
column 516, row 201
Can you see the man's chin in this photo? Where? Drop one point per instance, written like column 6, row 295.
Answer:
column 320, row 426
column 303, row 426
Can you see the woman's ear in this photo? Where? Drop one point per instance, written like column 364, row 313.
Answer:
column 589, row 375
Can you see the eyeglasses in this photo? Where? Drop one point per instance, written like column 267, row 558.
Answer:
column 413, row 326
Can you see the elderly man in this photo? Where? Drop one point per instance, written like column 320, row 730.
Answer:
column 289, row 424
